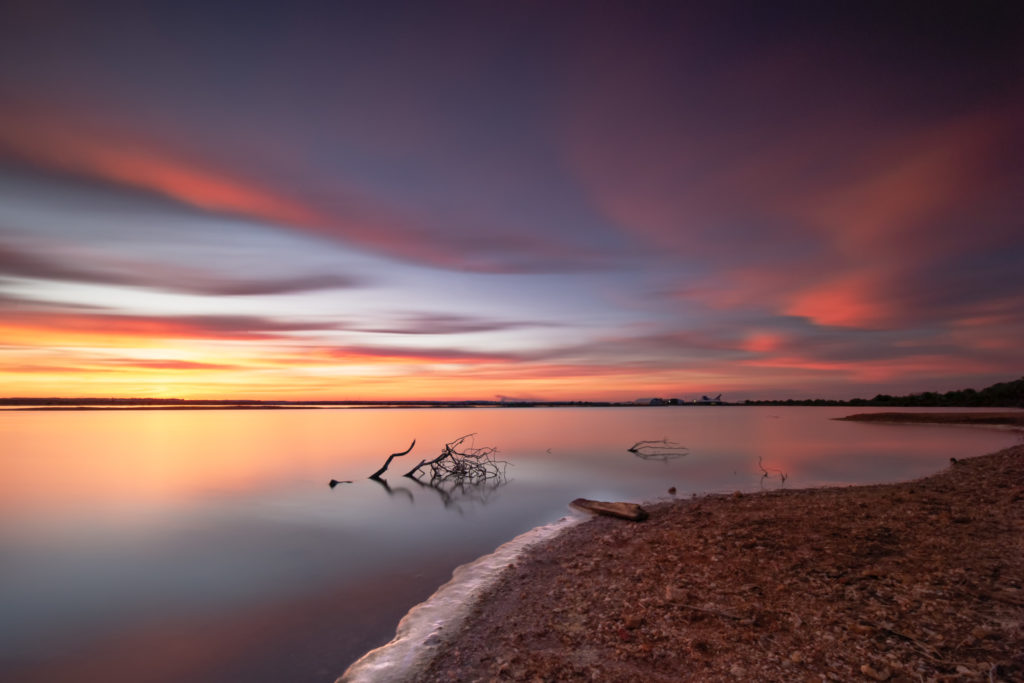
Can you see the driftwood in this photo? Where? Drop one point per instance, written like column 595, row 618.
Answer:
column 460, row 473
column 459, row 463
column 382, row 470
column 658, row 450
column 627, row 511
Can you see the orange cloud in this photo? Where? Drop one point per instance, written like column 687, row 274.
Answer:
column 850, row 301
column 41, row 329
column 71, row 145
column 762, row 342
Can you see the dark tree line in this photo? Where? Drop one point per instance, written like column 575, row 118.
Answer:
column 1001, row 395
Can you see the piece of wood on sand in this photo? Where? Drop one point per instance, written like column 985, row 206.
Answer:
column 628, row 511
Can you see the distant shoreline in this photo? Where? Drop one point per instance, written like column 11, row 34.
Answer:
column 58, row 404
column 1012, row 419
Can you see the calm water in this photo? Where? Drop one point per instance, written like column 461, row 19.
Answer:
column 207, row 546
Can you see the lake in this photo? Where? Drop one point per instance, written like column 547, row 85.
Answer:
column 206, row 545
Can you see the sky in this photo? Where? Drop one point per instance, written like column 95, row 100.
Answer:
column 527, row 200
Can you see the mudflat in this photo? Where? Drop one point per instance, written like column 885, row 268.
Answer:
column 915, row 581
column 1009, row 419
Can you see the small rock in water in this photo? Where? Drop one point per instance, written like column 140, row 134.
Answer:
column 672, row 491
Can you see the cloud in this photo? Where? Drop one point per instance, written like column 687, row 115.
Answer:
column 440, row 323
column 859, row 248
column 117, row 327
column 788, row 176
column 164, row 364
column 22, row 263
column 357, row 352
column 451, row 237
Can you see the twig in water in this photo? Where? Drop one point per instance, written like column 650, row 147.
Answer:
column 658, row 450
column 382, row 470
column 765, row 472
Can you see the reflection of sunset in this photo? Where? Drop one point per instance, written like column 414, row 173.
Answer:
column 155, row 458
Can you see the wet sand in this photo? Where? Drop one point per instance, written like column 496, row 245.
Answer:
column 916, row 581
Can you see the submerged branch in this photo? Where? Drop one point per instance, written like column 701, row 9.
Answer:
column 766, row 472
column 658, row 450
column 460, row 463
column 382, row 470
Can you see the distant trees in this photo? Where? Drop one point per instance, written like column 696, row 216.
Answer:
column 1001, row 395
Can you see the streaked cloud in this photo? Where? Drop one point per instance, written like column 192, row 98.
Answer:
column 521, row 200
column 19, row 263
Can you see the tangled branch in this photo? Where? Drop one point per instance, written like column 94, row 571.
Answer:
column 462, row 463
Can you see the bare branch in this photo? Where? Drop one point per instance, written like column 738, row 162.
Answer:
column 462, row 464
column 382, row 470
column 766, row 472
column 658, row 450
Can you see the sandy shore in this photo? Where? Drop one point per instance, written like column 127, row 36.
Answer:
column 918, row 581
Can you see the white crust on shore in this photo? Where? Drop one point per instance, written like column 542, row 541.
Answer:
column 423, row 630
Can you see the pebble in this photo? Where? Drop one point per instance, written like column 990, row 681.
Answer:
column 874, row 673
column 737, row 671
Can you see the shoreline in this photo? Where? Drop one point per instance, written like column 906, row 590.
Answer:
column 424, row 628
column 917, row 580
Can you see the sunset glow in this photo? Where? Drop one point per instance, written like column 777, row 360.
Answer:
column 559, row 204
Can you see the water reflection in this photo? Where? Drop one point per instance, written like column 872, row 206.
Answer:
column 454, row 493
column 163, row 523
column 393, row 491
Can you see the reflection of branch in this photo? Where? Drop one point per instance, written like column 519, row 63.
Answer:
column 382, row 470
column 658, row 450
column 765, row 472
column 391, row 492
column 453, row 493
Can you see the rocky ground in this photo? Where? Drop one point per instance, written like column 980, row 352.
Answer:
column 919, row 581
